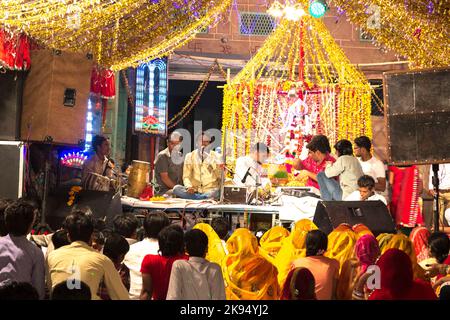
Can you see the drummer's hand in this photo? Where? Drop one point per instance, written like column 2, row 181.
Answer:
column 190, row 190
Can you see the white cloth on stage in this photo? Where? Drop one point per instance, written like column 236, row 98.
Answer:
column 294, row 208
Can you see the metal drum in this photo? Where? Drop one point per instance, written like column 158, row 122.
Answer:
column 137, row 180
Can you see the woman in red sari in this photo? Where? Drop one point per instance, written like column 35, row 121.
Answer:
column 406, row 188
column 397, row 281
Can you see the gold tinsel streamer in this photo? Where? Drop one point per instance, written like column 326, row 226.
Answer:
column 275, row 65
column 406, row 27
column 126, row 32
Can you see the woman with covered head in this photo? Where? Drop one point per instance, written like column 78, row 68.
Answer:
column 341, row 243
column 397, row 279
column 292, row 247
column 215, row 252
column 366, row 253
column 402, row 242
column 270, row 242
column 248, row 275
column 300, row 285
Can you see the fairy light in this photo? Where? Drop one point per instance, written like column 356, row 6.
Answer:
column 89, row 126
column 73, row 159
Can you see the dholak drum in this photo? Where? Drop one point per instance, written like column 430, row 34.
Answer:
column 96, row 182
column 137, row 180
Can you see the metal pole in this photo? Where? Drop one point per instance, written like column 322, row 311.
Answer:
column 435, row 168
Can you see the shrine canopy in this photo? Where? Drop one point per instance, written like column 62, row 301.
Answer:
column 300, row 83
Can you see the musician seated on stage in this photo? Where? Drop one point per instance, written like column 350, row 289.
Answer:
column 201, row 172
column 169, row 165
column 366, row 191
column 98, row 163
column 249, row 170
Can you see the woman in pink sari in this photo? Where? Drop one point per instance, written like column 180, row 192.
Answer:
column 406, row 188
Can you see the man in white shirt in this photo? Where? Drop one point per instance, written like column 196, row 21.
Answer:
column 444, row 192
column 154, row 222
column 196, row 278
column 366, row 191
column 249, row 170
column 371, row 166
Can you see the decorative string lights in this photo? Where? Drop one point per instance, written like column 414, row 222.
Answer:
column 416, row 29
column 120, row 33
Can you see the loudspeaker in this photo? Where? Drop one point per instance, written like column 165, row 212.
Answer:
column 12, row 169
column 418, row 116
column 56, row 96
column 373, row 214
column 11, row 87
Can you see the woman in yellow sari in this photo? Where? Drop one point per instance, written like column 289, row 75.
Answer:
column 383, row 239
column 248, row 275
column 292, row 248
column 361, row 230
column 403, row 243
column 341, row 244
column 216, row 251
column 270, row 242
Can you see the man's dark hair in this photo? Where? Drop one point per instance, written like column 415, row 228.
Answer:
column 363, row 142
column 344, row 147
column 154, row 222
column 62, row 292
column 260, row 147
column 125, row 224
column 196, row 243
column 60, row 239
column 220, row 226
column 171, row 241
column 98, row 237
column 316, row 240
column 115, row 247
column 439, row 245
column 444, row 293
column 319, row 143
column 97, row 141
column 4, row 203
column 366, row 181
column 79, row 226
column 19, row 218
column 13, row 290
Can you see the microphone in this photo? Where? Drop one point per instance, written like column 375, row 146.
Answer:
column 246, row 175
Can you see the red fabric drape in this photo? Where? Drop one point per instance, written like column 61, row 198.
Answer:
column 103, row 83
column 14, row 51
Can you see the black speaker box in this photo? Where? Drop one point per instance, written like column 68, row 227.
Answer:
column 11, row 89
column 373, row 214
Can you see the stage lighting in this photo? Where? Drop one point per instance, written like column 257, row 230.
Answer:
column 317, row 8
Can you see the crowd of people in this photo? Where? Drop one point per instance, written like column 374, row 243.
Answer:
column 87, row 260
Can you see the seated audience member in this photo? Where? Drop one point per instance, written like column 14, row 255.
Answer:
column 292, row 248
column 324, row 270
column 299, row 285
column 126, row 225
column 270, row 242
column 80, row 261
column 20, row 259
column 169, row 165
column 98, row 240
column 12, row 290
column 367, row 252
column 341, row 243
column 248, row 275
column 402, row 242
column 371, row 166
column 366, row 191
column 116, row 247
column 80, row 291
column 222, row 227
column 419, row 238
column 154, row 222
column 156, row 269
column 196, row 278
column 346, row 168
column 438, row 248
column 215, row 252
column 318, row 156
column 444, row 293
column 4, row 203
column 397, row 279
column 60, row 239
column 201, row 172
